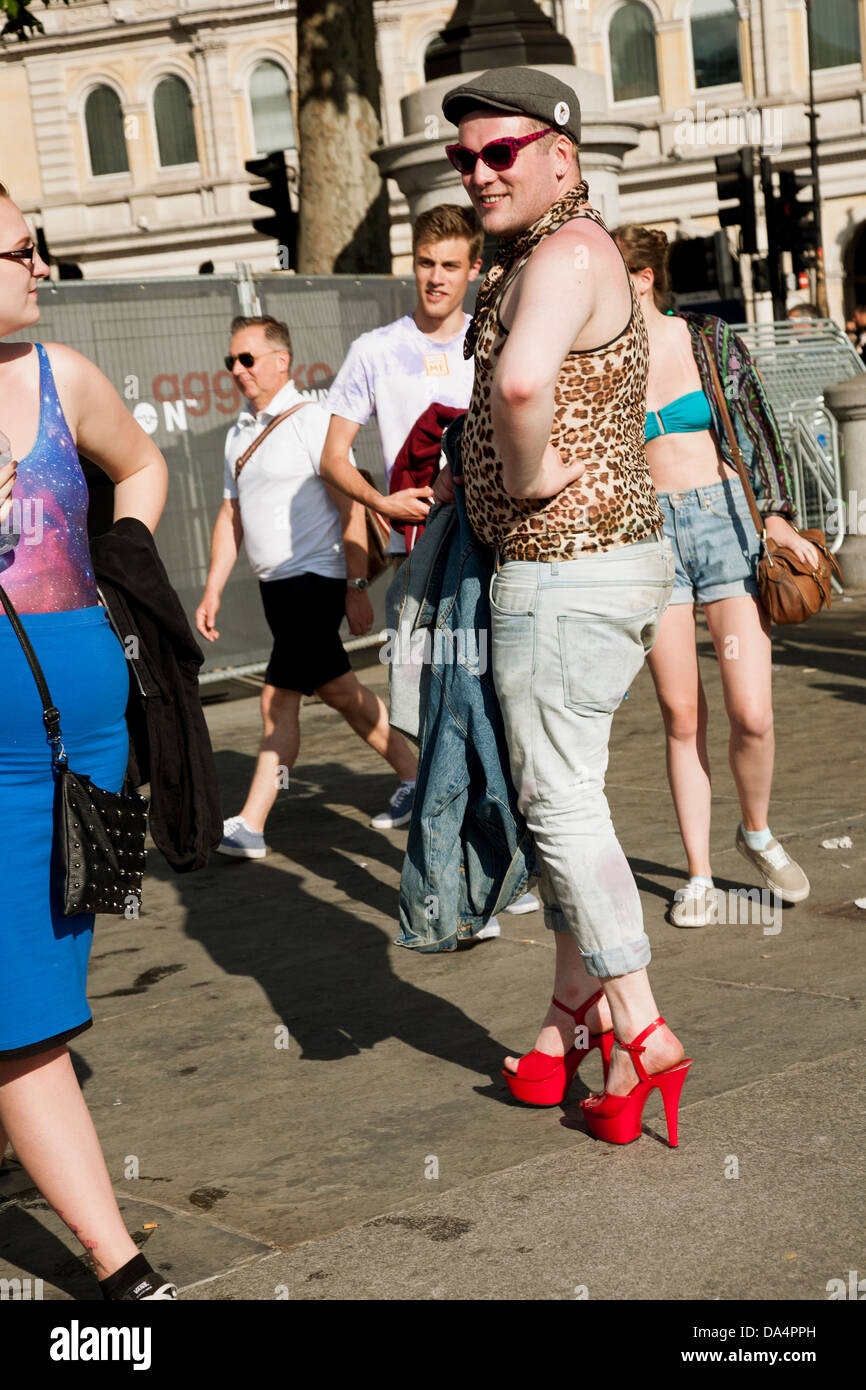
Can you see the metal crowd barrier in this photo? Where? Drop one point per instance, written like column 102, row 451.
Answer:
column 798, row 360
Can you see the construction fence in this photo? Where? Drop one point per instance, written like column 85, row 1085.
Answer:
column 162, row 344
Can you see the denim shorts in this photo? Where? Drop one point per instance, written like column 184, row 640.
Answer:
column 714, row 541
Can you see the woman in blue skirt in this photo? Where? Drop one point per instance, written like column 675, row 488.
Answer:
column 53, row 402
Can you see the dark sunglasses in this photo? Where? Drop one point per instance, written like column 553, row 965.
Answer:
column 26, row 255
column 497, row 155
column 246, row 359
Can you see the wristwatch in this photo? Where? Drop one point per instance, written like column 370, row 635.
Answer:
column 358, row 583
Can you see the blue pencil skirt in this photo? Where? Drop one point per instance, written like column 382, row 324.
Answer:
column 44, row 955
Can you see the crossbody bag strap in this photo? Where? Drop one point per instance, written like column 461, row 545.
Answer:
column 50, row 713
column 735, row 448
column 260, row 439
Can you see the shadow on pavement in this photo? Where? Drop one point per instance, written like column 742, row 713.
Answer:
column 322, row 961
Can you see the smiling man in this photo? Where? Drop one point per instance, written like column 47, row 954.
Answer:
column 556, row 481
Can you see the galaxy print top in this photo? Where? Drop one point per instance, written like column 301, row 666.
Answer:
column 50, row 569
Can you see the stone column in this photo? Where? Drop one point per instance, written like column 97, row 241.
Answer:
column 848, row 403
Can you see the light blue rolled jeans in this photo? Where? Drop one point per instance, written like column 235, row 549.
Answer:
column 568, row 639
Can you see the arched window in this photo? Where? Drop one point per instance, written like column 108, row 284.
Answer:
column 105, row 138
column 715, row 42
column 835, row 26
column 271, row 102
column 175, row 128
column 633, row 53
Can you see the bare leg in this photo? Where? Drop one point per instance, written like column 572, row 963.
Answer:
column 632, row 1007
column 629, row 1005
column 741, row 633
column 281, row 736
column 673, row 664
column 365, row 713
column 45, row 1115
column 572, row 985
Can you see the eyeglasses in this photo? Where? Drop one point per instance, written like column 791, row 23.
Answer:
column 26, row 255
column 246, row 359
column 497, row 155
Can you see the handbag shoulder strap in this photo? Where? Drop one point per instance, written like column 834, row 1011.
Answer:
column 260, row 438
column 50, row 713
column 735, row 447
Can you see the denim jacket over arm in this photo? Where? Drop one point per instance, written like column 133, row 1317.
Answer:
column 469, row 852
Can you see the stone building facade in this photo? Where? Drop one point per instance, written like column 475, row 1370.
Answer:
column 126, row 126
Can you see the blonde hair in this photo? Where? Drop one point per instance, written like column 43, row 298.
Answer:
column 644, row 248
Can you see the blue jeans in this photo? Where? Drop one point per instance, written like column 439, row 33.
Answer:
column 568, row 639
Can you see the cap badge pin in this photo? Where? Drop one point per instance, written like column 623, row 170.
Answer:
column 561, row 112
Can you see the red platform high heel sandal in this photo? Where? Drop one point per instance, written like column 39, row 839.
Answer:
column 541, row 1079
column 617, row 1119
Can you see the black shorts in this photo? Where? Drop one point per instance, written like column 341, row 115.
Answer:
column 304, row 613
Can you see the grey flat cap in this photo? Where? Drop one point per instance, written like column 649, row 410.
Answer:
column 523, row 91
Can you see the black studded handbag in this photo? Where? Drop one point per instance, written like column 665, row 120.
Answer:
column 97, row 858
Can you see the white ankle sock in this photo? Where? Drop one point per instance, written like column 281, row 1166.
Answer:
column 756, row 839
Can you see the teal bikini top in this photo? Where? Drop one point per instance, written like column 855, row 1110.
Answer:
column 684, row 415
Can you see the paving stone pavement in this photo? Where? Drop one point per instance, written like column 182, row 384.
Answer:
column 291, row 1106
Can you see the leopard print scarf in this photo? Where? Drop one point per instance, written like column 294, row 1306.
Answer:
column 513, row 249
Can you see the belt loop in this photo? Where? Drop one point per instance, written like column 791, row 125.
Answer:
column 498, row 560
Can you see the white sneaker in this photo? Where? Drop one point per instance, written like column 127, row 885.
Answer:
column 528, row 903
column 695, row 905
column 490, row 930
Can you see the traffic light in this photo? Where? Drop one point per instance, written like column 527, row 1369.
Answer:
column 282, row 224
column 795, row 219
column 704, row 276
column 693, row 268
column 735, row 184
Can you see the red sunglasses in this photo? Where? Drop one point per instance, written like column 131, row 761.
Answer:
column 498, row 155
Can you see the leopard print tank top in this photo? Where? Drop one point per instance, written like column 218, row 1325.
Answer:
column 599, row 416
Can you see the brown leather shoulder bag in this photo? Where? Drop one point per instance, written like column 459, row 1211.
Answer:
column 790, row 591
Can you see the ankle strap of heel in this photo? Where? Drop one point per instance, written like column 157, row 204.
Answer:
column 635, row 1048
column 579, row 1014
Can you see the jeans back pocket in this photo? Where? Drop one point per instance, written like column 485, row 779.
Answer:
column 601, row 655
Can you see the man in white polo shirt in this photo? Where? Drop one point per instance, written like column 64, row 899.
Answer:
column 301, row 537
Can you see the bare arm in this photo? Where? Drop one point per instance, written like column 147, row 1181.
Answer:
column 106, row 432
column 359, row 609
column 336, row 469
column 553, row 300
column 354, row 524
column 225, row 544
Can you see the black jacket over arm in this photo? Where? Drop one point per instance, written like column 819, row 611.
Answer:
column 169, row 744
